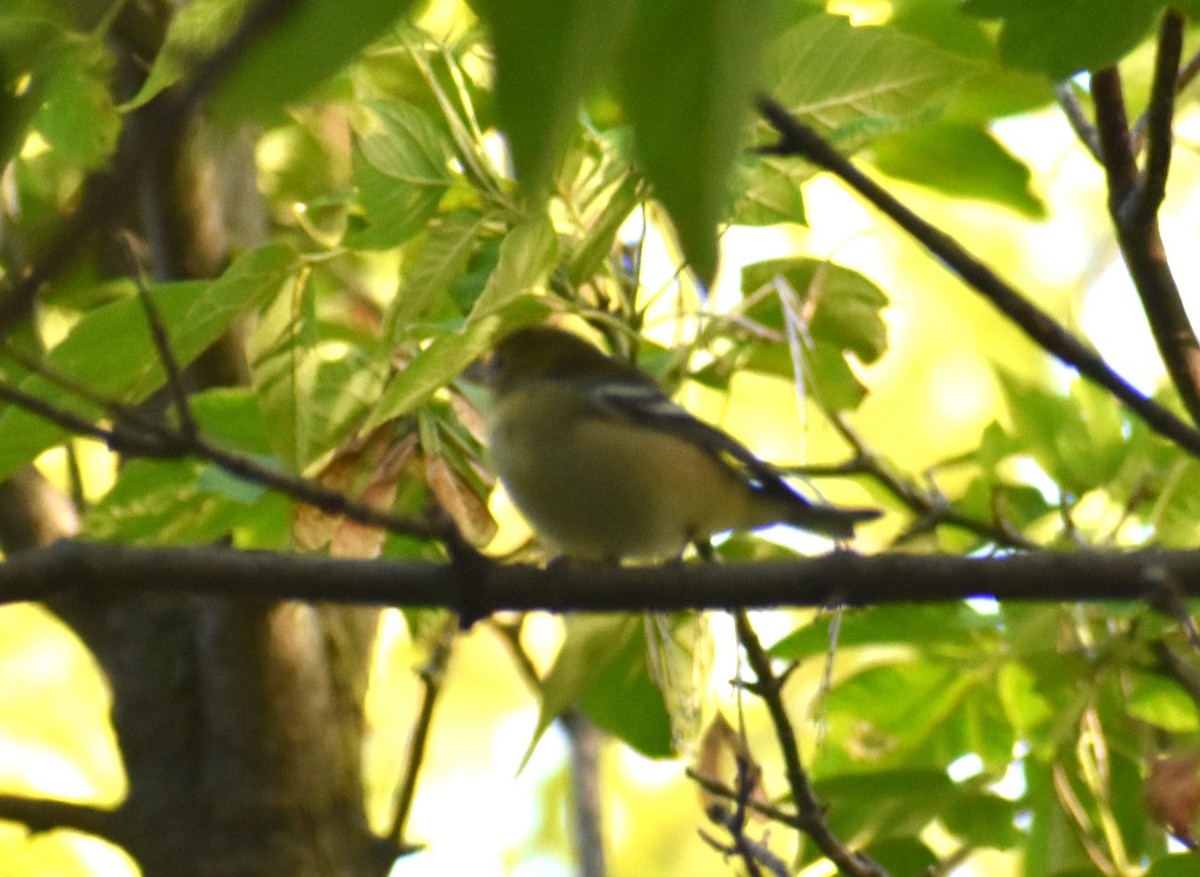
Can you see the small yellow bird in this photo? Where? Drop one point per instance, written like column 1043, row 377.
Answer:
column 606, row 467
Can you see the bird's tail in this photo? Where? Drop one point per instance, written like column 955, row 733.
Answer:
column 828, row 520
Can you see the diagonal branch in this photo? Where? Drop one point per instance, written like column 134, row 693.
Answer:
column 1080, row 124
column 1134, row 199
column 136, row 435
column 810, row 815
column 432, row 675
column 799, row 139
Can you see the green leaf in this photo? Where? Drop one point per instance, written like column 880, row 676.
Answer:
column 1061, row 37
column 940, row 629
column 960, row 160
column 906, row 855
column 284, row 361
column 162, row 503
column 602, row 668
column 770, row 190
column 913, row 713
column 984, row 820
column 886, row 803
column 847, row 318
column 293, row 53
column 527, row 255
column 230, row 417
column 548, row 55
column 77, row 116
column 1078, row 439
column 443, row 257
column 112, row 352
column 1177, row 865
column 194, row 31
column 860, row 83
column 448, row 354
column 401, row 169
column 593, row 247
column 1163, row 704
column 687, row 76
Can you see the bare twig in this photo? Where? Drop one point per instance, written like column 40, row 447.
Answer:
column 583, row 739
column 432, row 675
column 810, row 814
column 1112, row 127
column 721, row 790
column 139, row 436
column 930, row 506
column 162, row 344
column 1187, row 74
column 1080, row 124
column 752, row 853
column 799, row 139
column 47, row 814
column 1133, row 202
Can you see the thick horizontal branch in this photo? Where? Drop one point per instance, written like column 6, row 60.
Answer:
column 477, row 587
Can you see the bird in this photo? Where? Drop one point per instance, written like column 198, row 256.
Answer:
column 606, row 468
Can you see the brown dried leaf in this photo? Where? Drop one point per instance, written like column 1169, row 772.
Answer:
column 720, row 749
column 352, row 539
column 468, row 510
column 1171, row 794
column 468, row 415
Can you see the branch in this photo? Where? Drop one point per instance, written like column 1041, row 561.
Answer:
column 799, row 139
column 476, row 589
column 106, row 192
column 810, row 814
column 432, row 675
column 583, row 741
column 930, row 506
column 1080, row 124
column 1160, row 114
column 1133, row 202
column 137, row 435
column 47, row 814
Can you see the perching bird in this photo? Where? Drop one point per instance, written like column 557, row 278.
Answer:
column 606, row 467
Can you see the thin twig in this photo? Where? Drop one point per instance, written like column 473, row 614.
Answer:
column 1112, row 128
column 432, row 674
column 162, row 345
column 810, row 813
column 932, row 508
column 1080, row 124
column 139, row 436
column 799, row 139
column 715, row 787
column 583, row 739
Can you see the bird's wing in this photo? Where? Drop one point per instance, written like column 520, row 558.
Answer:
column 643, row 403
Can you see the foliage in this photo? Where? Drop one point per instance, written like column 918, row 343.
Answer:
column 438, row 175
